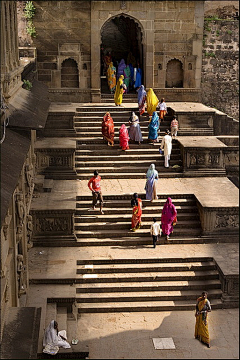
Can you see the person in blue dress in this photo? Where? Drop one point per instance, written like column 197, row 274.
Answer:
column 153, row 128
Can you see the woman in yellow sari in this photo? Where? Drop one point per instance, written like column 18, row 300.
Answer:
column 119, row 91
column 201, row 327
column 152, row 102
column 111, row 77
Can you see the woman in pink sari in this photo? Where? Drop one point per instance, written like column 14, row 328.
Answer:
column 169, row 217
column 123, row 137
column 136, row 204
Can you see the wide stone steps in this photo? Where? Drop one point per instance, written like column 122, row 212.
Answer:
column 144, row 306
column 105, row 230
column 143, row 267
column 153, row 284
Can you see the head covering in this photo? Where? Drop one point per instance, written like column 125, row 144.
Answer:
column 169, row 213
column 119, row 91
column 121, row 68
column 50, row 335
column 153, row 126
column 152, row 171
column 152, row 101
column 141, row 93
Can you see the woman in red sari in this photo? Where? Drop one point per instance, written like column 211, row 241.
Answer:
column 169, row 217
column 123, row 137
column 108, row 129
column 136, row 204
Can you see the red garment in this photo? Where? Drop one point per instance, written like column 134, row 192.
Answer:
column 108, row 128
column 137, row 215
column 123, row 137
column 169, row 214
column 95, row 182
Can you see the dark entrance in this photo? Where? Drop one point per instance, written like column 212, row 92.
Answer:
column 120, row 36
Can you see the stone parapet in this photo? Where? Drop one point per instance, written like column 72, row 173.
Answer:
column 55, row 158
column 53, row 224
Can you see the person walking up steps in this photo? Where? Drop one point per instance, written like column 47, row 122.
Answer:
column 174, row 127
column 166, row 146
column 162, row 109
column 155, row 231
column 94, row 186
column 151, row 183
column 169, row 218
column 118, row 96
column 136, row 204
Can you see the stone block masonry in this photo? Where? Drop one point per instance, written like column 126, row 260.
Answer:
column 220, row 84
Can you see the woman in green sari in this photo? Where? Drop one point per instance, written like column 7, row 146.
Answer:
column 127, row 77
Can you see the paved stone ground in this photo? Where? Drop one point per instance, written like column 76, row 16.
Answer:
column 129, row 335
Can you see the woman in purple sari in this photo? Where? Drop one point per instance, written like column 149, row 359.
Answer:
column 142, row 97
column 169, row 217
column 150, row 187
column 121, row 68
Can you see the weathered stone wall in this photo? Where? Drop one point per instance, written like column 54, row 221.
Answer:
column 220, row 73
column 63, row 31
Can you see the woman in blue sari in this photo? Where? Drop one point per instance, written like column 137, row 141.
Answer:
column 150, row 187
column 153, row 127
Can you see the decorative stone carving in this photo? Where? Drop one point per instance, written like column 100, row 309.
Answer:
column 29, row 224
column 193, row 159
column 21, row 275
column 20, row 208
column 19, row 234
column 29, row 175
column 224, row 221
column 6, row 224
column 123, row 5
column 52, row 224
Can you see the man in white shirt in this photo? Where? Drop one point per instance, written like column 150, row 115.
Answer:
column 166, row 146
column 155, row 231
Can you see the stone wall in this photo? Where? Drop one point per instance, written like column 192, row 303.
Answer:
column 220, row 84
column 63, row 31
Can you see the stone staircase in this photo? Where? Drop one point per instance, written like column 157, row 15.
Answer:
column 145, row 284
column 93, row 153
column 113, row 227
column 151, row 284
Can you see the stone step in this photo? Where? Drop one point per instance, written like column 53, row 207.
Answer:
column 121, row 218
column 127, row 157
column 148, row 276
column 124, row 169
column 129, row 164
column 124, row 226
column 121, row 233
column 172, row 173
column 178, row 198
column 140, row 286
column 145, row 147
column 157, row 267
column 143, row 306
column 173, row 260
column 154, row 296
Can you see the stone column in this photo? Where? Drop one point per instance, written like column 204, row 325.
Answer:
column 149, row 51
column 95, row 57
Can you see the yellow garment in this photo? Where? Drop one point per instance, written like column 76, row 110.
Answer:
column 201, row 326
column 152, row 102
column 111, row 76
column 119, row 92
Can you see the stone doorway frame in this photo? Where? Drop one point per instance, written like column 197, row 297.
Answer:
column 98, row 19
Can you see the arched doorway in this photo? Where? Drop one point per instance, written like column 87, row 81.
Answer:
column 174, row 74
column 121, row 36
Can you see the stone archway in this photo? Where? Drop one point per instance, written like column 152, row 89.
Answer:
column 121, row 36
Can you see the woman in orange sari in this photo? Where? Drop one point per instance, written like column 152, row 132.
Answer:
column 201, row 327
column 108, row 129
column 136, row 204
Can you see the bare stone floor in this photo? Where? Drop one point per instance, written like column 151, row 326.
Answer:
column 129, row 335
